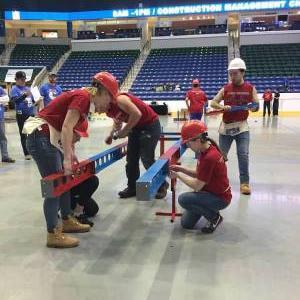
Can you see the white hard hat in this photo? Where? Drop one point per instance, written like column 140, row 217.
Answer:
column 237, row 64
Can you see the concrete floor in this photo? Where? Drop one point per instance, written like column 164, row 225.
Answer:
column 132, row 254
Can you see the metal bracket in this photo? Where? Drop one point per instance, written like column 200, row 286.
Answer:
column 56, row 184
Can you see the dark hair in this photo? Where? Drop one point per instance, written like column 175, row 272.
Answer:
column 205, row 138
column 196, row 85
column 20, row 75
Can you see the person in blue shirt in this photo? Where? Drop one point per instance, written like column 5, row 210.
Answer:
column 21, row 96
column 3, row 140
column 50, row 90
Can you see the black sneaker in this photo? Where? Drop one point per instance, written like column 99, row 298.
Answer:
column 8, row 160
column 83, row 219
column 162, row 191
column 127, row 193
column 212, row 225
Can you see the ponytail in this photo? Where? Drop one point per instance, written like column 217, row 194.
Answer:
column 206, row 138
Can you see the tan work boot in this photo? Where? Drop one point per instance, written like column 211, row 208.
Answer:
column 245, row 189
column 73, row 225
column 58, row 240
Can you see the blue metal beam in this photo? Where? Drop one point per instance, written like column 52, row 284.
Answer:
column 149, row 183
column 108, row 157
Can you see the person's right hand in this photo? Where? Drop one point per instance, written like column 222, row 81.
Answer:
column 108, row 140
column 173, row 175
column 28, row 93
column 175, row 168
column 227, row 108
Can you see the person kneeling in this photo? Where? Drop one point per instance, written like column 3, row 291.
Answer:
column 209, row 180
column 82, row 203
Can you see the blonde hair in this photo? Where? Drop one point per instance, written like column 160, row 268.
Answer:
column 96, row 89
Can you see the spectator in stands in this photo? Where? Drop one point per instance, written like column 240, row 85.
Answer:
column 55, row 131
column 286, row 85
column 195, row 101
column 21, row 95
column 4, row 99
column 234, row 125
column 177, row 87
column 49, row 90
column 142, row 128
column 170, row 86
column 209, row 181
column 276, row 102
column 159, row 88
column 267, row 96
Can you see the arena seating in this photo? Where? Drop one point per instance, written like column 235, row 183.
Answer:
column 204, row 29
column 274, row 66
column 80, row 66
column 117, row 33
column 37, row 55
column 171, row 67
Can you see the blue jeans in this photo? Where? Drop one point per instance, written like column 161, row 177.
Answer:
column 198, row 204
column 196, row 116
column 242, row 146
column 3, row 140
column 49, row 160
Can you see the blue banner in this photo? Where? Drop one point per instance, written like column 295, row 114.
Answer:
column 155, row 11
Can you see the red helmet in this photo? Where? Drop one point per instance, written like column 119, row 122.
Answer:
column 195, row 81
column 192, row 129
column 108, row 81
column 81, row 129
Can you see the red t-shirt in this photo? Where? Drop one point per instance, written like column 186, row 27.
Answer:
column 267, row 96
column 148, row 114
column 237, row 95
column 55, row 112
column 197, row 99
column 211, row 168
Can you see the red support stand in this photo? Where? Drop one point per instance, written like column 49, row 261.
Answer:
column 162, row 145
column 173, row 214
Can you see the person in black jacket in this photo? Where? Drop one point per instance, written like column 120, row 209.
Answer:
column 276, row 103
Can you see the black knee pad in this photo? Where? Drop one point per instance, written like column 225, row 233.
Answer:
column 94, row 181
